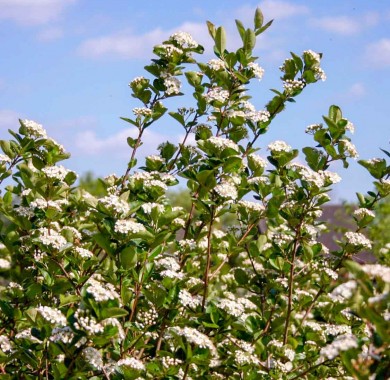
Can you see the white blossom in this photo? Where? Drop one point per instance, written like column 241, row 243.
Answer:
column 226, row 190
column 34, row 129
column 349, row 148
column 128, row 226
column 5, row 264
column 142, row 111
column 256, row 69
column 93, row 357
column 184, row 40
column 113, row 202
column 56, row 172
column 279, row 146
column 51, row 315
column 221, row 143
column 101, row 291
column 51, row 238
column 132, row 363
column 340, row 344
column 344, row 291
column 217, row 64
column 217, row 94
column 172, row 85
column 358, row 240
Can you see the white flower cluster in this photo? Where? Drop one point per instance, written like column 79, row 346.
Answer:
column 361, row 213
column 113, row 202
column 195, row 337
column 132, row 363
column 62, row 334
column 170, row 50
column 293, row 85
column 172, row 84
column 147, row 317
column 350, row 127
column 5, row 264
column 148, row 207
column 56, row 172
column 4, row 159
column 216, row 94
column 377, row 270
column 93, row 357
column 330, row 177
column 168, row 361
column 309, row 175
column 341, row 343
column 226, row 190
column 156, row 158
column 358, row 240
column 313, row 55
column 221, row 143
column 142, row 111
column 184, row 40
column 349, row 148
column 138, row 80
column 258, row 161
column 216, row 64
column 101, row 291
column 187, row 299
column 252, row 206
column 124, row 226
column 26, row 334
column 343, row 292
column 41, row 204
column 256, row 70
column 51, row 315
column 51, row 238
column 34, row 129
column 258, row 116
column 87, row 323
column 84, row 253
column 312, row 128
column 279, row 146
column 5, row 344
column 171, row 267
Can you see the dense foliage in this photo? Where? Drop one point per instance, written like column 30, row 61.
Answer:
column 126, row 286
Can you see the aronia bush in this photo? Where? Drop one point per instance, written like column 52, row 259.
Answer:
column 127, row 286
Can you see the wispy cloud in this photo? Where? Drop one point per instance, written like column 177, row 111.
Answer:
column 8, row 120
column 345, row 25
column 278, row 9
column 377, row 53
column 50, row 34
column 90, row 144
column 127, row 44
column 32, row 12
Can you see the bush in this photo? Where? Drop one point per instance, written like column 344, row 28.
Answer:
column 126, row 286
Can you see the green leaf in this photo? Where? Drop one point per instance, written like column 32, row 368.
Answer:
column 128, row 257
column 259, row 19
column 250, row 40
column 211, row 29
column 264, row 28
column 103, row 241
column 113, row 312
column 220, row 40
column 335, row 113
column 241, row 29
column 131, row 142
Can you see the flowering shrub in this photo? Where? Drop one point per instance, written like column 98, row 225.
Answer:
column 126, row 286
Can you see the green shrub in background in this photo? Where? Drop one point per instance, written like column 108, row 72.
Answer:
column 126, row 286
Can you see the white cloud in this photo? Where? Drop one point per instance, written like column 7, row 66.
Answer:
column 126, row 44
column 377, row 53
column 8, row 120
column 357, row 90
column 88, row 143
column 345, row 25
column 50, row 34
column 32, row 12
column 277, row 9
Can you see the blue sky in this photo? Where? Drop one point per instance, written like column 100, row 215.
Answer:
column 67, row 63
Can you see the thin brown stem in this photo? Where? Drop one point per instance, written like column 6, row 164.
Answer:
column 208, row 262
column 291, row 286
